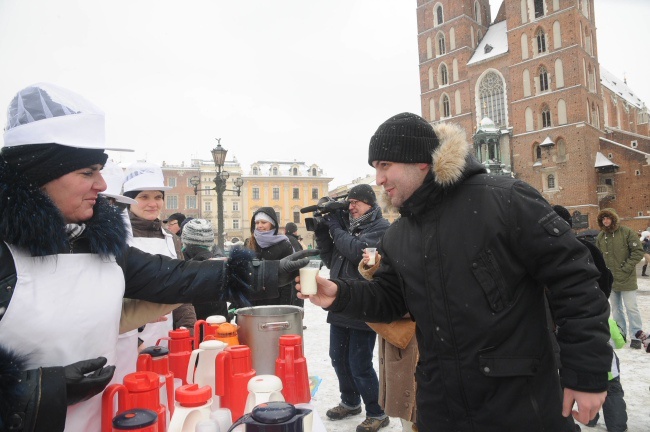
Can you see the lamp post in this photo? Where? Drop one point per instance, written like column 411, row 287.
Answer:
column 220, row 180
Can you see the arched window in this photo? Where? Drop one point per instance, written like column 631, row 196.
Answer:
column 275, row 171
column 452, row 39
column 295, row 171
column 541, row 41
column 543, row 79
column 539, row 8
column 591, row 79
column 439, row 16
column 457, row 103
column 546, row 116
column 557, row 35
column 594, row 115
column 559, row 74
column 524, row 46
column 444, row 106
column 561, row 112
column 444, row 78
column 454, row 70
column 477, row 12
column 526, row 79
column 550, row 181
column 314, row 172
column 430, row 78
column 524, row 11
column 529, row 119
column 492, row 98
column 429, row 48
column 432, row 110
column 537, row 151
column 441, row 44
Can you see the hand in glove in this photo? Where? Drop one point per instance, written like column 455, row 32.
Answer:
column 288, row 268
column 81, row 384
column 333, row 222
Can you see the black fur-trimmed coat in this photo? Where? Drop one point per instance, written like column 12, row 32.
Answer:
column 34, row 400
column 469, row 258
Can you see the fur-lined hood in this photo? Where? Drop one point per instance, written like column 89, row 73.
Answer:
column 29, row 219
column 451, row 162
column 610, row 213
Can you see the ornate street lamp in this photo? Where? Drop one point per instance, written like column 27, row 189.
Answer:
column 219, row 157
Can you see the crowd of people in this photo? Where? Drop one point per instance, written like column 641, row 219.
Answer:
column 502, row 327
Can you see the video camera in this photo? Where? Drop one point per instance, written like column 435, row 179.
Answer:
column 324, row 206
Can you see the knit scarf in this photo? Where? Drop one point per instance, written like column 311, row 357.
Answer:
column 370, row 215
column 266, row 238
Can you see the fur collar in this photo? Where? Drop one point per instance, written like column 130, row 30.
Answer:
column 451, row 162
column 29, row 219
column 610, row 213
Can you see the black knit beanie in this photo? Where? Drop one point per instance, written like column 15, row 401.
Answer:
column 42, row 163
column 364, row 193
column 406, row 138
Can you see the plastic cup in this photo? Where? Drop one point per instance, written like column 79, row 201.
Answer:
column 308, row 277
column 371, row 259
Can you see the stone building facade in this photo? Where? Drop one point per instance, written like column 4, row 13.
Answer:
column 528, row 88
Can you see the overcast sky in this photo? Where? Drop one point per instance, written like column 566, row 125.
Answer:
column 282, row 80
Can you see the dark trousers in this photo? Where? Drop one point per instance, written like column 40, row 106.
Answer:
column 351, row 354
column 614, row 408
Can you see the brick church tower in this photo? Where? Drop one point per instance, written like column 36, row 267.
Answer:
column 526, row 87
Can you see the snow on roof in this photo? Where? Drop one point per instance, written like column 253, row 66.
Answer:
column 496, row 42
column 285, row 168
column 619, row 87
column 602, row 161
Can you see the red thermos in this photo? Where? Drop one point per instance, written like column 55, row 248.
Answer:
column 138, row 420
column 180, row 344
column 156, row 359
column 291, row 368
column 140, row 390
column 234, row 370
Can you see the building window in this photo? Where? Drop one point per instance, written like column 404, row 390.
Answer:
column 275, row 171
column 314, row 173
column 276, row 193
column 295, row 171
column 190, row 201
column 492, row 98
column 235, row 224
column 539, row 8
column 171, row 202
column 256, row 171
column 235, row 206
column 207, row 191
column 541, row 41
column 296, row 217
column 439, row 17
column 477, row 12
column 256, row 193
column 171, row 181
column 634, row 143
column 444, row 79
column 277, row 216
column 550, row 181
column 637, row 172
column 296, row 193
column 546, row 116
column 543, row 79
column 441, row 44
column 314, row 193
column 207, row 206
column 446, row 111
column 561, row 149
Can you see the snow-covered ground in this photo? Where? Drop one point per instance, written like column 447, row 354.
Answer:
column 635, row 371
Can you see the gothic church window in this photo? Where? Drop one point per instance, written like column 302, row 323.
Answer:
column 441, row 44
column 524, row 11
column 524, row 46
column 561, row 149
column 439, row 17
column 557, row 35
column 559, row 74
column 477, row 12
column 444, row 79
column 491, row 92
column 430, row 78
column 429, row 48
column 541, row 41
column 561, row 112
column 539, row 8
column 526, row 79
column 445, row 108
column 546, row 116
column 543, row 79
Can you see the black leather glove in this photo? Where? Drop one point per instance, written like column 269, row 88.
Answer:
column 84, row 379
column 288, row 268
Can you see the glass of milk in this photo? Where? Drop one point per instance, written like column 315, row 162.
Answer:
column 372, row 252
column 308, row 277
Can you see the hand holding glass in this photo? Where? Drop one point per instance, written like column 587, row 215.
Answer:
column 308, row 277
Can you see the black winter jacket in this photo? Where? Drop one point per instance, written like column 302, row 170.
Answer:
column 342, row 252
column 469, row 259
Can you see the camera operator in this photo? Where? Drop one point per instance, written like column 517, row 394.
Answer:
column 341, row 237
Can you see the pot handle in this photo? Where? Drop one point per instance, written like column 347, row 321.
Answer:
column 280, row 325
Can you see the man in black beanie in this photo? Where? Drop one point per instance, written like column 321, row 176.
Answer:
column 341, row 242
column 469, row 259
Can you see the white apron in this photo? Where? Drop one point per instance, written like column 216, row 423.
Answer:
column 154, row 331
column 65, row 308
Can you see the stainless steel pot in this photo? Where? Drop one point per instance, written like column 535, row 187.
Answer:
column 260, row 327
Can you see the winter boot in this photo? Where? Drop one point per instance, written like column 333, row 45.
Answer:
column 373, row 424
column 643, row 269
column 340, row 412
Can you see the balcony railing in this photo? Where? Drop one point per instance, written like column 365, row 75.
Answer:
column 605, row 191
